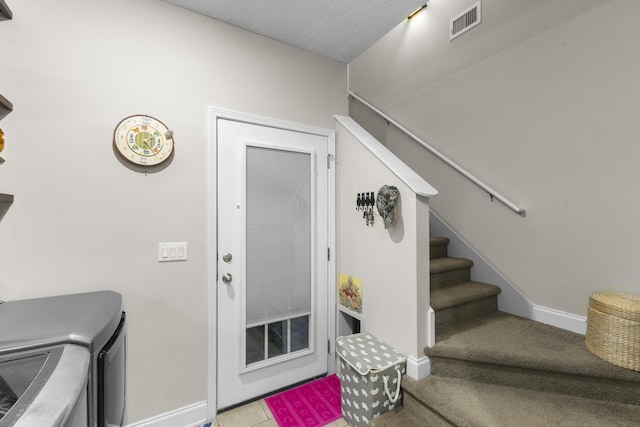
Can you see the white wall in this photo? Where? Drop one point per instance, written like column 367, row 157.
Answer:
column 81, row 220
column 392, row 263
column 541, row 102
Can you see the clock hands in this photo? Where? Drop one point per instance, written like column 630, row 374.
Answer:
column 144, row 142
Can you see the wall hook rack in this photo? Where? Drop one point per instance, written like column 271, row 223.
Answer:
column 365, row 203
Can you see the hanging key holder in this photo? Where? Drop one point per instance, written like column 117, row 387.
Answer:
column 365, row 203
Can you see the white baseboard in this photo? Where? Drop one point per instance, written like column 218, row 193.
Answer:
column 560, row 319
column 418, row 368
column 189, row 416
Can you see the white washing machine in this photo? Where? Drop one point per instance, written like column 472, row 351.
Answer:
column 60, row 333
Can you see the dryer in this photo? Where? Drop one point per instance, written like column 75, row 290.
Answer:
column 95, row 321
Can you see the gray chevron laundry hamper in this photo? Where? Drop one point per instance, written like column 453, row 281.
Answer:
column 370, row 376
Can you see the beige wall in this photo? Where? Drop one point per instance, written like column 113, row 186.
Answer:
column 390, row 262
column 541, row 102
column 82, row 221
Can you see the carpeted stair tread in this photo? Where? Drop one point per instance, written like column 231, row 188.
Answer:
column 404, row 417
column 475, row 404
column 511, row 341
column 446, row 264
column 461, row 293
column 438, row 241
column 399, row 417
column 493, row 369
column 438, row 247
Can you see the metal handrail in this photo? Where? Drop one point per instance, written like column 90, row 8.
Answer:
column 492, row 192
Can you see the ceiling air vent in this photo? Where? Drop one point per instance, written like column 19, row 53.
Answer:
column 464, row 21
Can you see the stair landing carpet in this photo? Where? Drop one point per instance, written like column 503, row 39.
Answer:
column 313, row 404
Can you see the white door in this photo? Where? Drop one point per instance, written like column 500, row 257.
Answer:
column 272, row 259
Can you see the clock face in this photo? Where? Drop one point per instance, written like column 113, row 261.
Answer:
column 143, row 140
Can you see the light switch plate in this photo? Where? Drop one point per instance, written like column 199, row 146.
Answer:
column 175, row 251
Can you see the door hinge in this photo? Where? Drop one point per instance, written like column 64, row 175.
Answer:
column 329, row 158
column 328, row 254
column 328, row 347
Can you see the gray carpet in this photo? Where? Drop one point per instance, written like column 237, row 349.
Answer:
column 492, row 369
column 501, row 370
column 503, row 339
column 475, row 404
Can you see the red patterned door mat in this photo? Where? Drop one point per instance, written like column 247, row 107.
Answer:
column 313, row 404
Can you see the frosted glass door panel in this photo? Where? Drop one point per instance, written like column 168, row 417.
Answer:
column 278, row 239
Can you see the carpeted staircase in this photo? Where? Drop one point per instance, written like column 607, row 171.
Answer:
column 493, row 369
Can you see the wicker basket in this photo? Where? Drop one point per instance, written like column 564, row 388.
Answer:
column 613, row 328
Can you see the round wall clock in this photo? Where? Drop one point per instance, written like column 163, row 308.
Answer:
column 143, row 140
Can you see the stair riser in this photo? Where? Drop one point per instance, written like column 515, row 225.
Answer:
column 426, row 416
column 440, row 280
column 462, row 312
column 574, row 385
column 437, row 251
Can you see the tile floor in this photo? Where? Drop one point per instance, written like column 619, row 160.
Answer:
column 256, row 414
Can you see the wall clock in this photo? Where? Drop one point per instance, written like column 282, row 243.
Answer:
column 143, row 140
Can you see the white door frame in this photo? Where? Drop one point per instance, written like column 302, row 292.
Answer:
column 212, row 237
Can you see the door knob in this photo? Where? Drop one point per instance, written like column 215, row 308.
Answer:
column 227, row 278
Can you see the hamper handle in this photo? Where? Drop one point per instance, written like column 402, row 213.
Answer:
column 385, row 379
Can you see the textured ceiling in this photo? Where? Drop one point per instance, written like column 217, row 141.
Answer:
column 338, row 29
